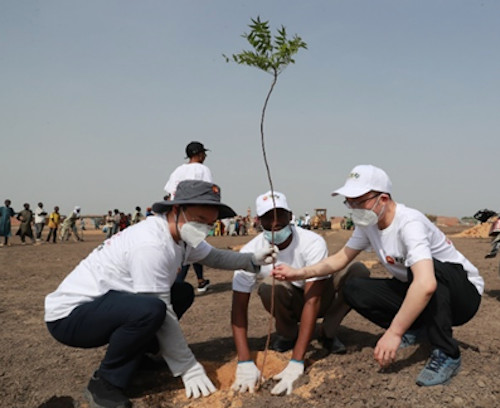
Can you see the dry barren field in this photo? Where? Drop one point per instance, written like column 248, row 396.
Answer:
column 36, row 371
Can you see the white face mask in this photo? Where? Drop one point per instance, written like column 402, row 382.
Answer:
column 192, row 233
column 365, row 218
column 279, row 236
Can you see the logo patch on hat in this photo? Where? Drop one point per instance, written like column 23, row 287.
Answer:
column 215, row 189
column 354, row 175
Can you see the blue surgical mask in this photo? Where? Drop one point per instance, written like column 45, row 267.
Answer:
column 279, row 236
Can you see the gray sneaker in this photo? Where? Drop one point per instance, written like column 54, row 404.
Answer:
column 412, row 337
column 439, row 369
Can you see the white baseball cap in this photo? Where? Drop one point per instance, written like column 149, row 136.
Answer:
column 264, row 202
column 364, row 178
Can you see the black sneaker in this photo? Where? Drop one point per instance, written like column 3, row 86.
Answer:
column 152, row 363
column 282, row 344
column 203, row 286
column 102, row 394
column 334, row 346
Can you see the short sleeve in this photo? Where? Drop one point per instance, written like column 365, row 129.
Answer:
column 244, row 281
column 359, row 240
column 415, row 238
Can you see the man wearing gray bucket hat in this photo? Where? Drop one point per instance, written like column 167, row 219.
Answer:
column 120, row 294
column 433, row 286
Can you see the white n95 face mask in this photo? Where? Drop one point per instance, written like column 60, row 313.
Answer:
column 364, row 218
column 192, row 232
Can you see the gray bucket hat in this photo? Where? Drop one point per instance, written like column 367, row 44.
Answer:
column 196, row 192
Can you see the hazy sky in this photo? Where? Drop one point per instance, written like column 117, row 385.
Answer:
column 98, row 99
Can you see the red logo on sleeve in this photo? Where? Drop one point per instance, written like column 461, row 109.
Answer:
column 390, row 260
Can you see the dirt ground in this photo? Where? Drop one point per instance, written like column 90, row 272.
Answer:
column 36, row 371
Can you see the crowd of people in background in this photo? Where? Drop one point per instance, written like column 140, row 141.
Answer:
column 62, row 228
column 32, row 223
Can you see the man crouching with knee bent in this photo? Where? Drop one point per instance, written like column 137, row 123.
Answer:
column 123, row 294
column 297, row 304
column 434, row 287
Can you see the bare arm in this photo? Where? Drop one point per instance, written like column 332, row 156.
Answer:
column 239, row 324
column 312, row 299
column 327, row 266
column 417, row 297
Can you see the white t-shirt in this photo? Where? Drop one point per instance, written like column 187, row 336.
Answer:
column 187, row 171
column 40, row 215
column 410, row 238
column 306, row 248
column 143, row 258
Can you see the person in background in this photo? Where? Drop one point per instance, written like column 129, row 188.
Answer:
column 137, row 216
column 116, row 221
column 218, row 228
column 40, row 215
column 110, row 223
column 6, row 212
column 54, row 221
column 124, row 221
column 69, row 226
column 307, row 222
column 25, row 230
column 194, row 169
column 433, row 288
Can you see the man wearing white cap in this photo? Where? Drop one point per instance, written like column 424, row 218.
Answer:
column 434, row 287
column 297, row 302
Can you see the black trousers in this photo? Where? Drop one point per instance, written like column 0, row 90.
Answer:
column 198, row 269
column 53, row 234
column 455, row 301
column 126, row 322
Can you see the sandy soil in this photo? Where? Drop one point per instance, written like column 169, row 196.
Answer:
column 36, row 371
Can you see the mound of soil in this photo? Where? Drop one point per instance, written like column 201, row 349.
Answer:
column 477, row 231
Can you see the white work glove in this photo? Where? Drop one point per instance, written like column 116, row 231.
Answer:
column 195, row 381
column 265, row 256
column 292, row 371
column 247, row 377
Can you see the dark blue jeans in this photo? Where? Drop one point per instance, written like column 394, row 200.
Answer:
column 126, row 322
column 455, row 301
